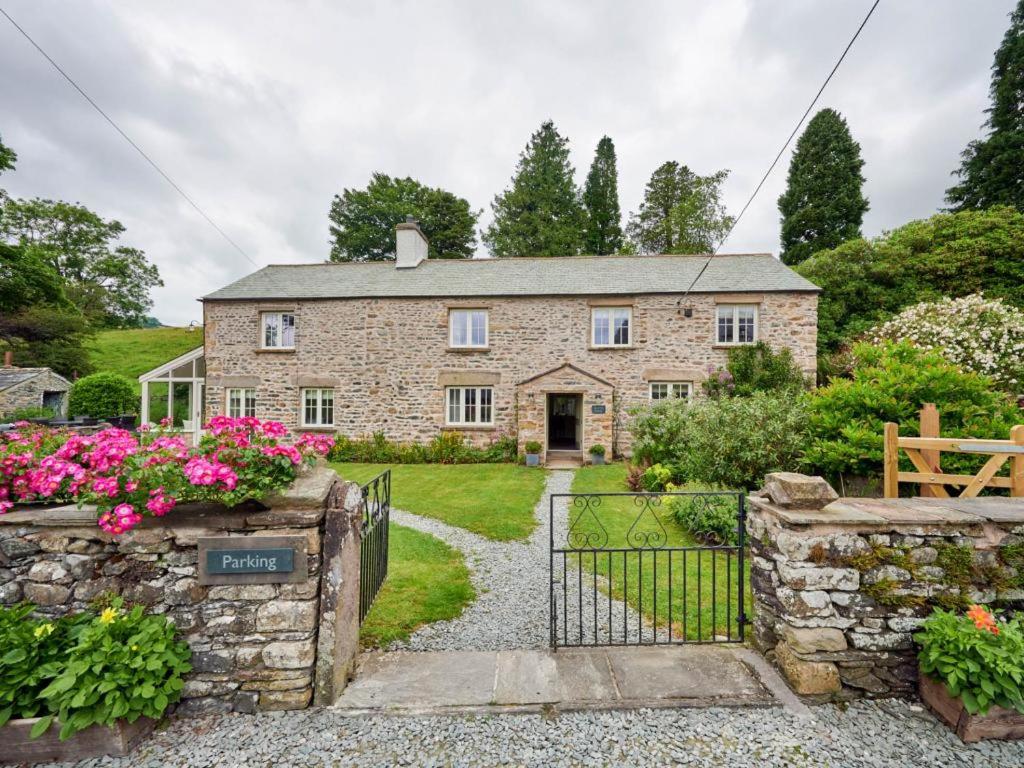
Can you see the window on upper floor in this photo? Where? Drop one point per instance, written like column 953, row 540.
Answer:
column 467, row 328
column 278, row 330
column 736, row 324
column 318, row 407
column 610, row 326
column 241, row 402
column 664, row 390
column 469, row 405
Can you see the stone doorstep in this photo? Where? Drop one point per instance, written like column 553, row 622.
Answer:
column 569, row 679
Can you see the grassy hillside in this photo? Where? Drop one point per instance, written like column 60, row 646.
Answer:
column 134, row 351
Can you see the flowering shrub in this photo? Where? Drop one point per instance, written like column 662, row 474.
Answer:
column 979, row 657
column 755, row 368
column 127, row 475
column 979, row 335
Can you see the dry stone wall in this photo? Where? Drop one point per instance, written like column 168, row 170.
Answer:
column 840, row 585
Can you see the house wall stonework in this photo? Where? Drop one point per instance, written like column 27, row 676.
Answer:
column 29, row 394
column 389, row 360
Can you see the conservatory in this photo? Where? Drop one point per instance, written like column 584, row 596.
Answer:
column 177, row 391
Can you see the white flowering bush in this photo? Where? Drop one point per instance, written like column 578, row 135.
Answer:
column 974, row 333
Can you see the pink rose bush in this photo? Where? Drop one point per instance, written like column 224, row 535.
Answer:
column 127, row 475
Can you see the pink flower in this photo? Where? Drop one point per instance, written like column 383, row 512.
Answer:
column 321, row 444
column 159, row 502
column 274, row 429
column 120, row 519
column 282, row 450
column 5, row 505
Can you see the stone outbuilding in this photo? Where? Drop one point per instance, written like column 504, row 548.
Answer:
column 22, row 388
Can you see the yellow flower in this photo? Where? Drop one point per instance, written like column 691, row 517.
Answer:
column 135, row 647
column 43, row 630
column 108, row 615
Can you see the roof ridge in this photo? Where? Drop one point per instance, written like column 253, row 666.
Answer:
column 390, row 262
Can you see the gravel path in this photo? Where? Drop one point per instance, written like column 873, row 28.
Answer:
column 865, row 734
column 511, row 580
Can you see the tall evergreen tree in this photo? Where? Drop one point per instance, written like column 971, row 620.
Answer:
column 823, row 204
column 603, row 233
column 681, row 212
column 540, row 214
column 992, row 170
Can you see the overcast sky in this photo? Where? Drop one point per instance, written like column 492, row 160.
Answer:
column 263, row 111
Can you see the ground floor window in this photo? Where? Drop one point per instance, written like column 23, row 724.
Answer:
column 664, row 390
column 470, row 405
column 318, row 407
column 241, row 402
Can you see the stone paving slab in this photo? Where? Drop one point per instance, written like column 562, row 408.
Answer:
column 998, row 509
column 569, row 679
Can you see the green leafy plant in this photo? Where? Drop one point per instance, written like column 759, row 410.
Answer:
column 532, row 447
column 657, row 478
column 446, row 448
column 756, row 368
column 103, row 395
column 31, row 412
column 597, row 450
column 710, row 518
column 978, row 657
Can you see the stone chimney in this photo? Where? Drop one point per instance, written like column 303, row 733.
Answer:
column 410, row 244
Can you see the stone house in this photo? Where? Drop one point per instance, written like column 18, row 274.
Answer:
column 555, row 350
column 22, row 388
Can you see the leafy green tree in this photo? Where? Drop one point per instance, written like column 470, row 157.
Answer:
column 103, row 395
column 823, row 205
column 681, row 212
column 992, row 168
column 109, row 283
column 865, row 282
column 541, row 213
column 603, row 232
column 7, row 157
column 363, row 220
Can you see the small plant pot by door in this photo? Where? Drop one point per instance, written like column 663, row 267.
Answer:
column 96, row 741
column 533, row 459
column 597, row 459
column 997, row 723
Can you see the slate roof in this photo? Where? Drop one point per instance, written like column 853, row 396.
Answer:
column 578, row 275
column 10, row 377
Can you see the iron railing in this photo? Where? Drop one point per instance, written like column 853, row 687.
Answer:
column 617, row 576
column 373, row 553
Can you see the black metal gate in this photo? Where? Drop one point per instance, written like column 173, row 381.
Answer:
column 624, row 573
column 373, row 553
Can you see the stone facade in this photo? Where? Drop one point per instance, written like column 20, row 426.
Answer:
column 255, row 646
column 33, row 388
column 840, row 585
column 389, row 362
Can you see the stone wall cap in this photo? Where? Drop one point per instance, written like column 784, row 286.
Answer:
column 836, row 513
column 997, row 509
column 309, row 490
column 909, row 512
column 791, row 489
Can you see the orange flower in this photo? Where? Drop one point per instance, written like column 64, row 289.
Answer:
column 983, row 619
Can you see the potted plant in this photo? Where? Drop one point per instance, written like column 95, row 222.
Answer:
column 533, row 449
column 972, row 673
column 86, row 685
column 597, row 454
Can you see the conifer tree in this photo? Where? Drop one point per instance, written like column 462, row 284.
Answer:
column 541, row 213
column 603, row 233
column 992, row 170
column 823, row 205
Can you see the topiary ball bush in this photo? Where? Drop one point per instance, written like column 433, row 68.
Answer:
column 102, row 396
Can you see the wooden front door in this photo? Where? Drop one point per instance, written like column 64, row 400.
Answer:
column 563, row 422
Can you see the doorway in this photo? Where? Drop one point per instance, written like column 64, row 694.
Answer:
column 565, row 423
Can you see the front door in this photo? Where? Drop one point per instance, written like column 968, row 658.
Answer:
column 563, row 422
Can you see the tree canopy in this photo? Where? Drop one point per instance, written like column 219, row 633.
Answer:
column 363, row 220
column 603, row 233
column 682, row 212
column 7, row 157
column 541, row 213
column 823, row 205
column 992, row 168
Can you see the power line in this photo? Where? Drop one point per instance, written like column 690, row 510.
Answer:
column 785, row 146
column 127, row 138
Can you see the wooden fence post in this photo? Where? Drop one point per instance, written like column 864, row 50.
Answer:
column 891, row 482
column 1017, row 462
column 930, row 428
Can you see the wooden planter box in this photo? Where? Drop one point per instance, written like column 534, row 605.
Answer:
column 95, row 741
column 999, row 723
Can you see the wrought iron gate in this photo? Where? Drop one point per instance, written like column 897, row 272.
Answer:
column 373, row 553
column 620, row 574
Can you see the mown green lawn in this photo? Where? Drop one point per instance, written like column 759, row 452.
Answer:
column 134, row 351
column 493, row 500
column 704, row 573
column 427, row 581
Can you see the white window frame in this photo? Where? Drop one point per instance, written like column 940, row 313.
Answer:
column 456, row 404
column 320, row 407
column 732, row 311
column 468, row 315
column 245, row 394
column 671, row 390
column 280, row 328
column 612, row 311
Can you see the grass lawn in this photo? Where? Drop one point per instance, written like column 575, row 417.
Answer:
column 715, row 572
column 493, row 500
column 134, row 351
column 427, row 582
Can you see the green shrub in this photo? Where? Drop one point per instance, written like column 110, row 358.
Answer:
column 979, row 658
column 756, row 368
column 891, row 382
column 597, row 450
column 446, row 448
column 710, row 518
column 657, row 478
column 532, row 446
column 102, row 395
column 32, row 412
column 659, row 432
